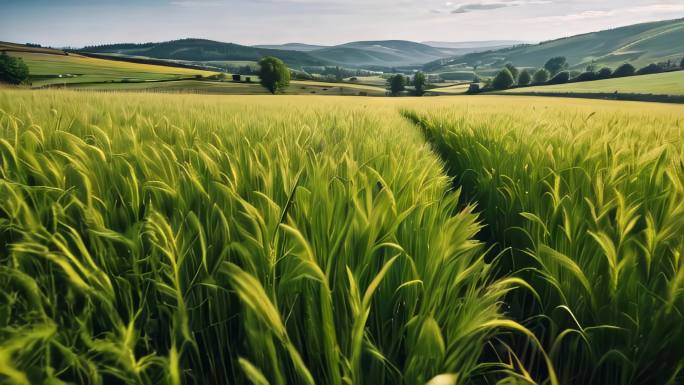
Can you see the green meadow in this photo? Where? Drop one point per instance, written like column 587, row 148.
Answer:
column 196, row 239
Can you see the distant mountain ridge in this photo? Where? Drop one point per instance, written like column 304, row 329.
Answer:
column 488, row 44
column 378, row 53
column 204, row 50
column 639, row 44
column 292, row 47
column 393, row 53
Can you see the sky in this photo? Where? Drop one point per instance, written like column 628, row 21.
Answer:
column 77, row 23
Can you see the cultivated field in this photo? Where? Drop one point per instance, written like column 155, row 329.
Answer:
column 234, row 88
column 47, row 69
column 669, row 83
column 76, row 71
column 456, row 89
column 279, row 240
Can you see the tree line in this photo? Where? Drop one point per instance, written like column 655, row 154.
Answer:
column 555, row 71
column 396, row 84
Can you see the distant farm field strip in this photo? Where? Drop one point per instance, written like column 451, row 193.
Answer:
column 186, row 86
column 360, row 87
column 79, row 69
column 235, row 88
column 670, row 83
column 455, row 89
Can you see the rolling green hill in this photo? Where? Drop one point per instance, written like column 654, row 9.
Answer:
column 14, row 47
column 388, row 53
column 639, row 44
column 202, row 50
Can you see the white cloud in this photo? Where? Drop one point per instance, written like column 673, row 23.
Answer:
column 657, row 8
column 574, row 16
column 491, row 5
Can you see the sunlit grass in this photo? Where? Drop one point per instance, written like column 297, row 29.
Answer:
column 588, row 201
column 150, row 239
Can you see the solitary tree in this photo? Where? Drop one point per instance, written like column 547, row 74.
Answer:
column 396, row 84
column 12, row 70
column 556, row 64
column 524, row 78
column 541, row 76
column 419, row 83
column 274, row 74
column 503, row 80
column 624, row 70
column 514, row 71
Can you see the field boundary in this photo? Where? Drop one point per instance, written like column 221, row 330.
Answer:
column 673, row 99
column 151, row 61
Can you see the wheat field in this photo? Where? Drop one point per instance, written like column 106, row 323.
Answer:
column 189, row 239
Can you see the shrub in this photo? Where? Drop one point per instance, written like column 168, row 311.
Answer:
column 524, row 78
column 560, row 78
column 473, row 88
column 396, row 84
column 556, row 64
column 604, row 73
column 624, row 70
column 585, row 77
column 650, row 69
column 514, row 71
column 503, row 80
column 13, row 70
column 541, row 76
